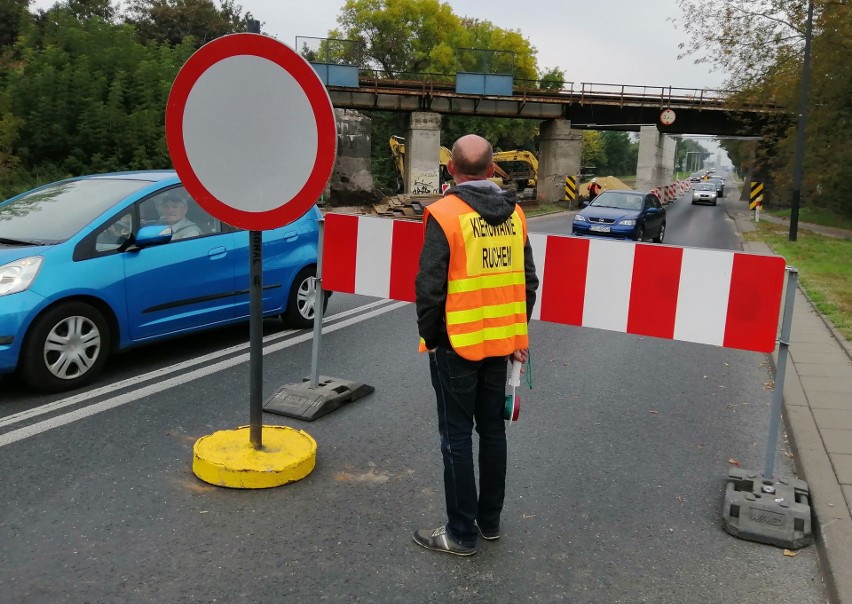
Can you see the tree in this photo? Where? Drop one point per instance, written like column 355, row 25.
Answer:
column 13, row 13
column 691, row 155
column 552, row 79
column 620, row 153
column 761, row 50
column 88, row 9
column 86, row 97
column 416, row 37
column 423, row 38
column 594, row 151
column 402, row 36
column 170, row 21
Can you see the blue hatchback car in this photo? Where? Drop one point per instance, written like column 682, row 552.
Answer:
column 93, row 265
column 633, row 215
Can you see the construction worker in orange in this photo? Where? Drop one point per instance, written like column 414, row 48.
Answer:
column 594, row 189
column 475, row 291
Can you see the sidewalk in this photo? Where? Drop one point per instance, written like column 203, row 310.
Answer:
column 817, row 228
column 818, row 418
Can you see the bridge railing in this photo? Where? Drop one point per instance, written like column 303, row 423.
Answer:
column 663, row 96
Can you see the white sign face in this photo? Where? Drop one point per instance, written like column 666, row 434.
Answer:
column 250, row 133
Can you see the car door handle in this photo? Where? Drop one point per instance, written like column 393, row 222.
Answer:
column 217, row 252
column 290, row 235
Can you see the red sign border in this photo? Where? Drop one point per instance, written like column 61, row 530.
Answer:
column 285, row 57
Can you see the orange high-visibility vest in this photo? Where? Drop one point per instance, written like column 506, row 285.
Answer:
column 486, row 311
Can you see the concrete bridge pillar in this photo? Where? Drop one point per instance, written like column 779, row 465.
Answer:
column 351, row 180
column 655, row 165
column 560, row 148
column 422, row 153
column 668, row 159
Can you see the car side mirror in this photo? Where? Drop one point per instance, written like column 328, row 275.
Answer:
column 586, row 203
column 155, row 234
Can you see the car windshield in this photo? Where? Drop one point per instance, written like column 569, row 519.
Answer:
column 618, row 199
column 705, row 187
column 56, row 212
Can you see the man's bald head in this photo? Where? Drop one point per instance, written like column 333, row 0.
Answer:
column 472, row 159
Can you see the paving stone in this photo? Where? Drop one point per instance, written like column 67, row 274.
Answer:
column 843, row 467
column 837, row 441
column 833, row 419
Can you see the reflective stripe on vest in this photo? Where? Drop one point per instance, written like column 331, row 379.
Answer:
column 486, row 313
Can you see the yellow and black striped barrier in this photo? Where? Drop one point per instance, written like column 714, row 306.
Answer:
column 756, row 195
column 570, row 188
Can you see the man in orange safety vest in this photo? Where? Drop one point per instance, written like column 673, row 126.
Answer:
column 475, row 291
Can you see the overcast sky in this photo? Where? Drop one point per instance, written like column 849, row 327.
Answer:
column 606, row 41
column 602, row 41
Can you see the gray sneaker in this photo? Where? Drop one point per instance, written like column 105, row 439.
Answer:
column 438, row 540
column 490, row 535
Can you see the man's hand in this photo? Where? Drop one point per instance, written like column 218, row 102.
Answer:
column 521, row 355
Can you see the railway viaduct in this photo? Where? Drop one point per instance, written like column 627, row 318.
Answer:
column 656, row 113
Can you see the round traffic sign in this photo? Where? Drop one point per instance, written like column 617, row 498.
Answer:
column 251, row 131
column 667, row 117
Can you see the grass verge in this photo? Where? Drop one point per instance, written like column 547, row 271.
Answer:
column 825, row 269
column 817, row 216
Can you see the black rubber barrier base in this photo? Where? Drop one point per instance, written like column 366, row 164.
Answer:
column 776, row 512
column 303, row 402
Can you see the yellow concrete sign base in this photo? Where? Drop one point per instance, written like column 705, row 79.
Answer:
column 228, row 459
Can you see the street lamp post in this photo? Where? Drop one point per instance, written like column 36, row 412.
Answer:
column 800, row 127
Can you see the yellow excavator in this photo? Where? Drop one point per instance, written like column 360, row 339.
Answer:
column 521, row 168
column 397, row 147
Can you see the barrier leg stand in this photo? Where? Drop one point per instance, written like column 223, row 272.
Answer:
column 757, row 506
column 316, row 395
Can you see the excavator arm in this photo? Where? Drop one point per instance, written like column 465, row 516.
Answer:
column 520, row 166
column 397, row 147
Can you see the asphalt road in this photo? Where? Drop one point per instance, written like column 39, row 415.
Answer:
column 616, row 474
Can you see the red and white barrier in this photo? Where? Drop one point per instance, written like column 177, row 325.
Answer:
column 717, row 297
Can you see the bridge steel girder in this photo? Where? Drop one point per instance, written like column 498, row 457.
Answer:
column 589, row 111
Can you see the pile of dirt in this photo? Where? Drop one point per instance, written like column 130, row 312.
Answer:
column 607, row 182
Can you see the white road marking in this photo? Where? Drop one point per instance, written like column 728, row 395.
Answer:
column 122, row 399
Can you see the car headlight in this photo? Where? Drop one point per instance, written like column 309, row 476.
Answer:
column 18, row 275
column 629, row 222
column 579, row 218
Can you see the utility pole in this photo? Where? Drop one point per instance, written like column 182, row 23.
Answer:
column 800, row 127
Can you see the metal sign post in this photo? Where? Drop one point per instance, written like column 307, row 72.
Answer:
column 256, row 338
column 255, row 323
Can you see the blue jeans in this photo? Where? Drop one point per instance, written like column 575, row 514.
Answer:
column 468, row 393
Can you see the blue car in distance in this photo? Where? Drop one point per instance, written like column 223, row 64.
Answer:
column 97, row 264
column 632, row 215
